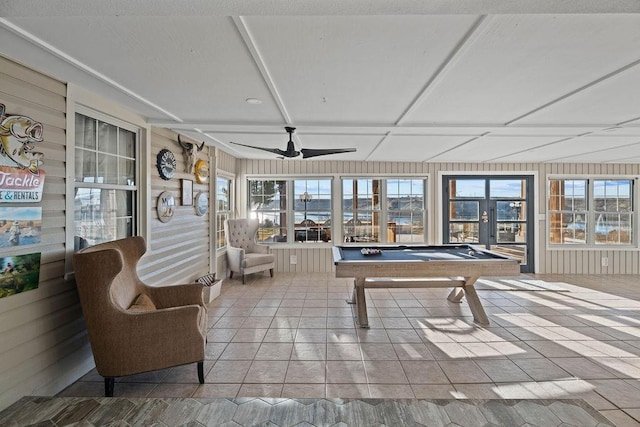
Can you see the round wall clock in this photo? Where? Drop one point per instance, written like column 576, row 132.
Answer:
column 202, row 203
column 202, row 172
column 166, row 163
column 166, row 206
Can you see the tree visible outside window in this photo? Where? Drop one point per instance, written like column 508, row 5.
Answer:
column 105, row 182
column 268, row 203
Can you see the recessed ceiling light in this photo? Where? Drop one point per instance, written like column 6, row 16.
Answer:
column 254, row 101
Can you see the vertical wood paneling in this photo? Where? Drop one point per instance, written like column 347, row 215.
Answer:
column 578, row 261
column 41, row 329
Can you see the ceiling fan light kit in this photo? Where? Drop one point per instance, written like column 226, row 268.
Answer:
column 291, row 151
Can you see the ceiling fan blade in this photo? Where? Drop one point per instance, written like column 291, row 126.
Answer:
column 270, row 150
column 314, row 152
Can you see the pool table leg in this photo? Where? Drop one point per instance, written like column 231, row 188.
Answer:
column 361, row 302
column 479, row 315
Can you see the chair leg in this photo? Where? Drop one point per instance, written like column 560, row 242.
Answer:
column 243, row 275
column 201, row 372
column 109, row 383
column 230, row 274
column 271, row 272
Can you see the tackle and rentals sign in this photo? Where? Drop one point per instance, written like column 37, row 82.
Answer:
column 21, row 180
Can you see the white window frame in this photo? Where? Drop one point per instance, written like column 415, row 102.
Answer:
column 231, row 179
column 289, row 210
column 591, row 214
column 81, row 101
column 384, row 211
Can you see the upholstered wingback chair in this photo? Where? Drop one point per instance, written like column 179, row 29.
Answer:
column 244, row 254
column 133, row 327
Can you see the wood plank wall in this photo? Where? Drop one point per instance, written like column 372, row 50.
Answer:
column 43, row 342
column 549, row 259
column 178, row 251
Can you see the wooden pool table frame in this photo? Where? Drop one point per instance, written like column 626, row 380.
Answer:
column 461, row 274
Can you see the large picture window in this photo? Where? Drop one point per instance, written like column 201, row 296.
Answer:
column 383, row 210
column 105, row 182
column 591, row 212
column 304, row 217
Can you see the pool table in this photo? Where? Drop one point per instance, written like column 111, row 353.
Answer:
column 397, row 266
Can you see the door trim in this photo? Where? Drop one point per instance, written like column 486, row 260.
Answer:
column 537, row 219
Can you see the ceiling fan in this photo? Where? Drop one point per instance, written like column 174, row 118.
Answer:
column 291, row 151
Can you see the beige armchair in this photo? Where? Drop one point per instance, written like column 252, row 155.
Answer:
column 244, row 254
column 133, row 327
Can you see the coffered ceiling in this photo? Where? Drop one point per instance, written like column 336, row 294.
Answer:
column 526, row 81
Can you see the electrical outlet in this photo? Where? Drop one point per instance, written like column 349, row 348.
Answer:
column 605, row 261
column 293, row 259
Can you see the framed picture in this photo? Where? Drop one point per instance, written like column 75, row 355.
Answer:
column 187, row 192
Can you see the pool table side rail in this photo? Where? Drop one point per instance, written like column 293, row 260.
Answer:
column 371, row 267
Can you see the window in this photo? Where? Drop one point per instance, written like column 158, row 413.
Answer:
column 306, row 215
column 591, row 211
column 405, row 207
column 399, row 219
column 268, row 202
column 105, row 182
column 312, row 210
column 361, row 210
column 223, row 209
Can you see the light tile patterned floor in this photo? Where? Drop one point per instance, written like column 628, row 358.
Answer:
column 294, row 336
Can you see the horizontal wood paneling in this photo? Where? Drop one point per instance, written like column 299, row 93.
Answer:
column 41, row 331
column 178, row 251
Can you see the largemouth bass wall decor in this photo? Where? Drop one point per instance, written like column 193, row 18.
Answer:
column 21, row 179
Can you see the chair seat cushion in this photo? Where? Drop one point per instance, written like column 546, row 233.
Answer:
column 141, row 304
column 252, row 259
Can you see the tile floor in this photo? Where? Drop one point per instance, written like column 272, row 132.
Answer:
column 294, row 336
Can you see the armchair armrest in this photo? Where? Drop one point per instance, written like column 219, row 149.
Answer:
column 175, row 296
column 260, row 248
column 235, row 257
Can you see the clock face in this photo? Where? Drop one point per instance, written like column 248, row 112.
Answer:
column 166, row 163
column 202, row 203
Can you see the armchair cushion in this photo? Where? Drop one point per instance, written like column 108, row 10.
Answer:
column 254, row 259
column 141, row 304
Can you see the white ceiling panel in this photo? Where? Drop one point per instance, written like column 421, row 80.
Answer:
column 419, row 147
column 615, row 100
column 364, row 69
column 570, row 148
column 196, row 67
column 625, row 154
column 489, row 147
column 517, row 63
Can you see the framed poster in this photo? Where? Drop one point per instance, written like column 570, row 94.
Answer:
column 187, row 192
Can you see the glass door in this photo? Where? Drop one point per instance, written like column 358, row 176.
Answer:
column 491, row 211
